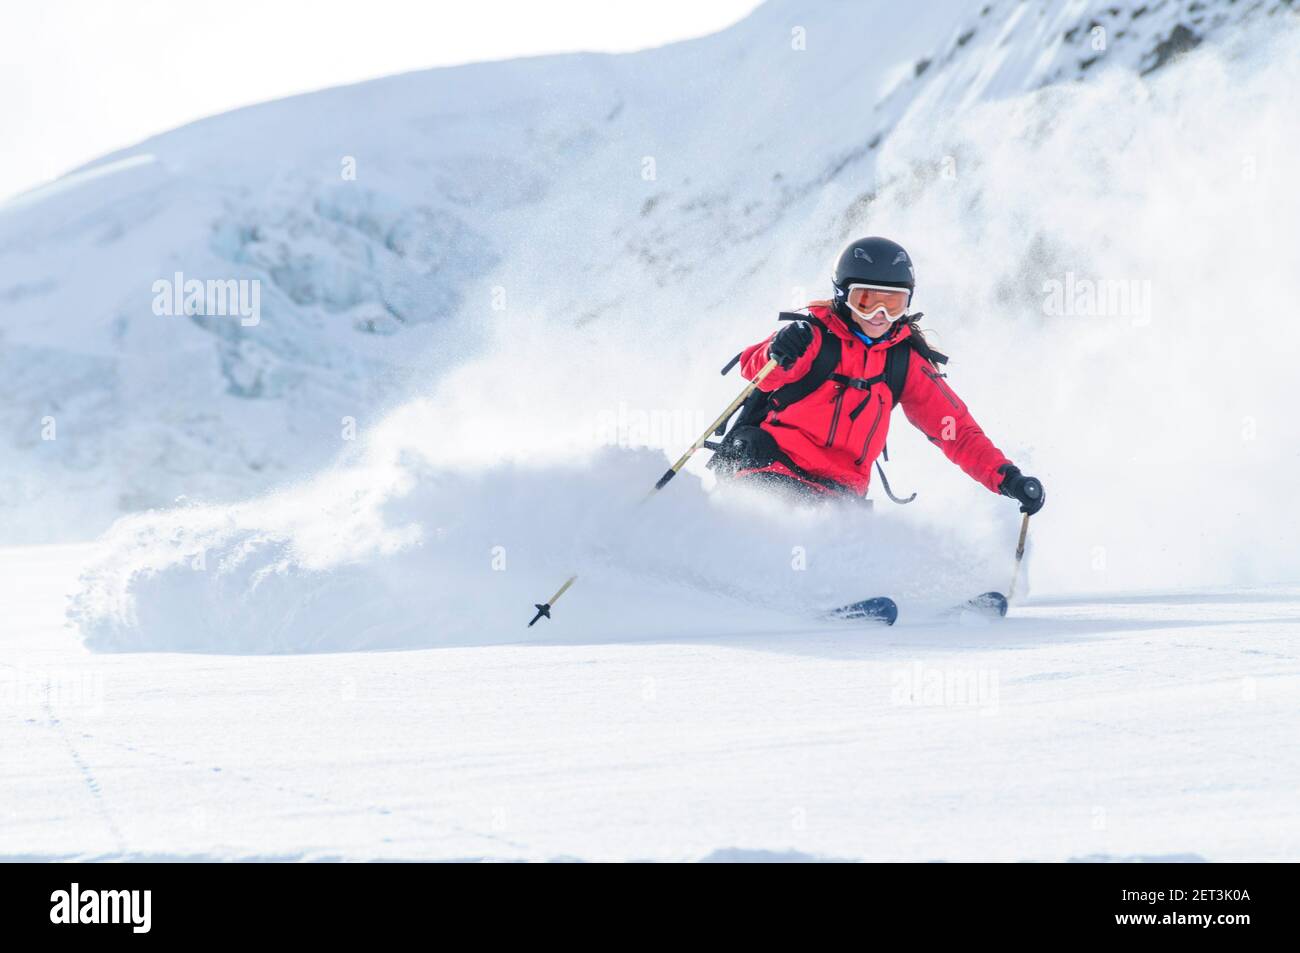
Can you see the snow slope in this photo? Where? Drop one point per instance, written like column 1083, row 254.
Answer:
column 1158, row 728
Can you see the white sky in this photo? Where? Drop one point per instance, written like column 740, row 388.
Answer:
column 79, row 78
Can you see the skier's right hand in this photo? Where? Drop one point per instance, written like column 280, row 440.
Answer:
column 1028, row 490
column 790, row 343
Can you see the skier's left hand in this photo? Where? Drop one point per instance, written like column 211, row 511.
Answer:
column 1028, row 490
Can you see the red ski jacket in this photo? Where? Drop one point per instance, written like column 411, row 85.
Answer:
column 836, row 433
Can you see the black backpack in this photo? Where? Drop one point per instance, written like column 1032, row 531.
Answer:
column 759, row 403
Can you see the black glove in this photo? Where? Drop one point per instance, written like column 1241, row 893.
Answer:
column 790, row 343
column 1028, row 490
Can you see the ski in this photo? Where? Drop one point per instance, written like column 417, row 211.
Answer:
column 992, row 605
column 880, row 609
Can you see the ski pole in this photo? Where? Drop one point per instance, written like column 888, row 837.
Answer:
column 1020, row 554
column 544, row 608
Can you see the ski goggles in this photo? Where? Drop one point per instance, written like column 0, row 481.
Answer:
column 866, row 300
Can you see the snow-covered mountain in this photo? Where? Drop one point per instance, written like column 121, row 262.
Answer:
column 630, row 194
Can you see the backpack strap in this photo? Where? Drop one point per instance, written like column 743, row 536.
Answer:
column 897, row 359
column 919, row 346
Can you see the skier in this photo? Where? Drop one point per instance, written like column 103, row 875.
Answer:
column 818, row 421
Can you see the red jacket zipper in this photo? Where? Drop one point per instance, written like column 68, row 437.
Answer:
column 835, row 417
column 880, row 412
column 943, row 388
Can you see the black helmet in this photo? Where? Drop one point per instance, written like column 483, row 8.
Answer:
column 872, row 261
